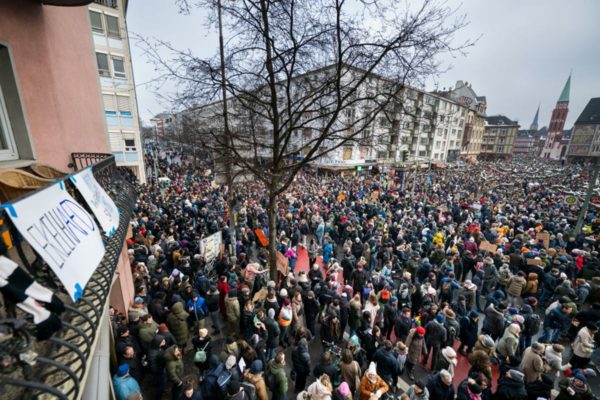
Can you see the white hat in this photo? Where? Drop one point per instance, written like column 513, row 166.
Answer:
column 283, row 292
column 372, row 369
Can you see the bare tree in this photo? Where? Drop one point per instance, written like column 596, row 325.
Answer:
column 304, row 78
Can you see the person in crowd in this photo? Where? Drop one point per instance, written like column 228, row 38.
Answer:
column 279, row 385
column 124, row 384
column 417, row 391
column 372, row 385
column 511, row 386
column 440, row 387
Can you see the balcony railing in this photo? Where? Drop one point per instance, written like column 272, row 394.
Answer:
column 55, row 368
column 107, row 3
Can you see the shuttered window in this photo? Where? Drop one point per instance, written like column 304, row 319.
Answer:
column 124, row 106
column 110, row 107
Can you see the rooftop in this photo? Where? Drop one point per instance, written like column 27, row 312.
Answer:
column 591, row 112
column 499, row 120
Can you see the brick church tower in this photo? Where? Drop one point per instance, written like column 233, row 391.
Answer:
column 554, row 146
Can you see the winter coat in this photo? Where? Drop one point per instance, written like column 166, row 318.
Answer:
column 438, row 390
column 273, row 332
column 541, row 388
column 509, row 389
column 494, row 322
column 516, row 285
column 468, row 331
column 355, row 314
column 280, row 378
column 146, row 333
column 387, row 366
column 554, row 361
column 412, row 395
column 565, row 395
column 178, row 325
column 416, row 347
column 583, row 346
column 156, row 356
column 557, row 319
column 452, row 331
column 532, row 284
column 232, row 309
column 319, row 391
column 368, row 388
column 301, row 358
column 532, row 365
column 258, row 381
column 436, row 334
column 507, row 345
column 125, row 386
column 174, row 366
column 349, row 372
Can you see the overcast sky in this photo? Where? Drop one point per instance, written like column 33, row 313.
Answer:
column 525, row 54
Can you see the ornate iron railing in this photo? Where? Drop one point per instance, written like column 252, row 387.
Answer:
column 55, row 368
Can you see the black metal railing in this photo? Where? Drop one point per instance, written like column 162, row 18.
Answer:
column 54, row 368
column 107, row 3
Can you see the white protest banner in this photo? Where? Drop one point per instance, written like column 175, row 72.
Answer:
column 210, row 246
column 100, row 203
column 63, row 233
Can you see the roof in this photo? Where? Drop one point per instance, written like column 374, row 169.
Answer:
column 566, row 134
column 499, row 120
column 591, row 112
column 564, row 96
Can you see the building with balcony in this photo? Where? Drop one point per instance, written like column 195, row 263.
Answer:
column 113, row 58
column 585, row 138
column 52, row 125
column 498, row 138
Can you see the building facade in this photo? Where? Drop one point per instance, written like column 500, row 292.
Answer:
column 474, row 121
column 50, row 111
column 498, row 138
column 115, row 72
column 525, row 142
column 585, row 138
column 555, row 146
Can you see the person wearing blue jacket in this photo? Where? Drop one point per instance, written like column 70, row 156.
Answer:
column 197, row 309
column 124, row 384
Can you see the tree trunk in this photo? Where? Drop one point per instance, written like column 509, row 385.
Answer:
column 273, row 238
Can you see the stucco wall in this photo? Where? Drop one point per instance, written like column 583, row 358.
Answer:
column 55, row 69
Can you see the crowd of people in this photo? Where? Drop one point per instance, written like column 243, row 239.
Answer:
column 478, row 263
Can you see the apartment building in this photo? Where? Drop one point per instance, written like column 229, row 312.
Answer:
column 113, row 59
column 498, row 138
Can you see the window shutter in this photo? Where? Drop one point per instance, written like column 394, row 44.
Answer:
column 123, row 103
column 109, row 102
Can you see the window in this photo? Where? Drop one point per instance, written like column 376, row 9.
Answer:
column 130, row 145
column 96, row 21
column 102, row 61
column 7, row 145
column 438, row 145
column 112, row 26
column 124, row 106
column 118, row 67
column 422, row 153
column 424, row 141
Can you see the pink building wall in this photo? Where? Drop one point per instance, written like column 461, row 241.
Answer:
column 54, row 64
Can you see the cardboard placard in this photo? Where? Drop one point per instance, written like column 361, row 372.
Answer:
column 210, row 247
column 282, row 263
column 545, row 237
column 533, row 261
column 487, row 246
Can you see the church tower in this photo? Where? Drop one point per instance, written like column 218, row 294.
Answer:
column 534, row 125
column 553, row 146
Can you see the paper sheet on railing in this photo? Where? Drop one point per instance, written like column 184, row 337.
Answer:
column 63, row 234
column 100, row 203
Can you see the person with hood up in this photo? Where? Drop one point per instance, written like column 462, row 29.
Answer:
column 321, row 389
column 554, row 359
column 418, row 391
column 575, row 388
column 175, row 369
column 531, row 287
column 156, row 364
column 177, row 322
column 532, row 364
column 254, row 375
column 515, row 288
column 511, row 386
column 343, row 392
column 301, row 365
column 276, row 368
column 124, row 384
column 469, row 327
column 371, row 385
column 509, row 343
column 440, row 386
column 531, row 326
column 448, row 360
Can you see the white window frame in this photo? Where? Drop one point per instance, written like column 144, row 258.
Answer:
column 103, row 72
column 10, row 153
column 118, row 35
column 118, row 75
column 102, row 30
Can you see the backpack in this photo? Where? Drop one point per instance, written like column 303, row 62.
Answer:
column 200, row 355
column 532, row 324
column 249, row 389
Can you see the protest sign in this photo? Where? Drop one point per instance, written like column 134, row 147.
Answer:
column 487, row 246
column 210, row 247
column 63, row 233
column 544, row 237
column 98, row 200
column 535, row 261
column 282, row 264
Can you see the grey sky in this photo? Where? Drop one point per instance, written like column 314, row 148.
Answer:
column 526, row 51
